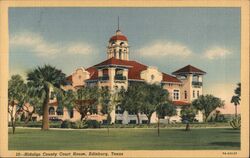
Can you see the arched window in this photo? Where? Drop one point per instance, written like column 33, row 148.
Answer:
column 120, row 54
column 185, row 94
column 115, row 53
column 152, row 77
column 122, row 43
column 198, row 93
column 51, row 111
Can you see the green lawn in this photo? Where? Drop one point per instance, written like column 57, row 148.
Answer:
column 125, row 139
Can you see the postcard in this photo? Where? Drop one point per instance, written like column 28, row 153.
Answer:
column 119, row 78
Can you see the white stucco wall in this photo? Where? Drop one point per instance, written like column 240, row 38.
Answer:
column 152, row 75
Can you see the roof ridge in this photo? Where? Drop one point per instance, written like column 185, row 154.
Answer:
column 188, row 68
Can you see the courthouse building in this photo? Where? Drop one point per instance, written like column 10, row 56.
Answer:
column 118, row 71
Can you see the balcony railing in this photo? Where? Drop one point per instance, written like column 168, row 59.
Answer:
column 104, row 78
column 119, row 77
column 196, row 83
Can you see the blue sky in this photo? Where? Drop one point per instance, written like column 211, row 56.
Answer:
column 169, row 38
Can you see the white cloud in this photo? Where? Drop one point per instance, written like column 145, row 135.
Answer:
column 80, row 48
column 165, row 48
column 216, row 52
column 36, row 43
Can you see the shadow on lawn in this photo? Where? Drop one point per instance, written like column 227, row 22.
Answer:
column 17, row 133
column 231, row 144
column 231, row 130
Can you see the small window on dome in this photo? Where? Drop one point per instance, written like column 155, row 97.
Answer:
column 122, row 43
column 120, row 54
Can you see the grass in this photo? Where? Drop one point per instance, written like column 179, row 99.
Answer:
column 125, row 139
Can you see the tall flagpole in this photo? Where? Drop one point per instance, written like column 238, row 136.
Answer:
column 118, row 24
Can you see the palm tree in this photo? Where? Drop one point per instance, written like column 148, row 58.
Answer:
column 236, row 98
column 45, row 79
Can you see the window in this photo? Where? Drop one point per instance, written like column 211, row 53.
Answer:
column 176, row 94
column 71, row 114
column 120, row 54
column 118, row 72
column 105, row 72
column 185, row 94
column 119, row 111
column 193, row 94
column 59, row 110
column 104, row 122
column 198, row 93
column 131, row 113
column 152, row 77
column 51, row 111
column 80, row 77
column 195, row 78
column 132, row 122
column 115, row 53
column 118, row 121
column 144, row 121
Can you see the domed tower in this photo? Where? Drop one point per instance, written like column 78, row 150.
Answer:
column 118, row 46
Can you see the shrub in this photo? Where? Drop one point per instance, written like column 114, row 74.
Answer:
column 235, row 123
column 55, row 124
column 78, row 125
column 66, row 124
column 92, row 124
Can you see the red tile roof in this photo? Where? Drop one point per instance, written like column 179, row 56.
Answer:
column 55, row 103
column 189, row 69
column 169, row 78
column 134, row 69
column 118, row 37
column 69, row 78
column 180, row 103
column 93, row 73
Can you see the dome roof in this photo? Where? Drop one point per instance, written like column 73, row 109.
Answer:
column 118, row 36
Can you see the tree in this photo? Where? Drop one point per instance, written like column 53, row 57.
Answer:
column 164, row 109
column 236, row 98
column 86, row 101
column 16, row 89
column 155, row 96
column 66, row 99
column 32, row 104
column 45, row 79
column 133, row 99
column 207, row 104
column 107, row 101
column 188, row 114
